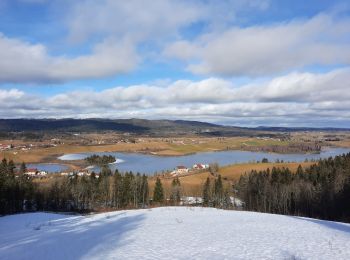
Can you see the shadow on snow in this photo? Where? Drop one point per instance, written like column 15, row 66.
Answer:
column 73, row 237
column 329, row 224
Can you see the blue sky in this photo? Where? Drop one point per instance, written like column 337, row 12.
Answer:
column 244, row 62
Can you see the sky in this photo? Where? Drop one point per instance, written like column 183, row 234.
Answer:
column 242, row 62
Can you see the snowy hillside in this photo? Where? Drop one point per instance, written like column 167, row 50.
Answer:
column 171, row 233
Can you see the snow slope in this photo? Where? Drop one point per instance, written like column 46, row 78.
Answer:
column 171, row 233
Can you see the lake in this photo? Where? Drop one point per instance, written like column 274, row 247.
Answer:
column 149, row 164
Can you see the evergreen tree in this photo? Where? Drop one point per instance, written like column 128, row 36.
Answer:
column 206, row 193
column 104, row 187
column 117, row 189
column 23, row 168
column 218, row 192
column 127, row 194
column 11, row 167
column 158, row 194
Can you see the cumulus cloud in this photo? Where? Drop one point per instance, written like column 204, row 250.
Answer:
column 25, row 62
column 269, row 49
column 153, row 20
column 119, row 27
column 132, row 19
column 128, row 32
column 293, row 99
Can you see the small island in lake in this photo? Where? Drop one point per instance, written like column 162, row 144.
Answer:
column 100, row 160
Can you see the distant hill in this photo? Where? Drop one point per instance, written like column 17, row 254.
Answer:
column 74, row 125
column 141, row 126
column 136, row 126
column 299, row 129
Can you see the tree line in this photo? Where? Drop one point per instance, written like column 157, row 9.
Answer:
column 97, row 192
column 319, row 191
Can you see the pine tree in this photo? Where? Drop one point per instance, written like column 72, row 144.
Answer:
column 11, row 167
column 300, row 171
column 206, row 193
column 127, row 193
column 218, row 192
column 117, row 189
column 104, row 187
column 158, row 194
column 23, row 168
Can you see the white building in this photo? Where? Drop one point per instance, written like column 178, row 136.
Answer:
column 31, row 172
column 200, row 166
column 181, row 169
column 41, row 173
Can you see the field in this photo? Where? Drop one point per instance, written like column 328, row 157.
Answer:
column 158, row 146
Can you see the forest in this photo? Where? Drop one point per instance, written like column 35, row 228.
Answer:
column 320, row 191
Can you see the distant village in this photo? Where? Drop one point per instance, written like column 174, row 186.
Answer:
column 26, row 147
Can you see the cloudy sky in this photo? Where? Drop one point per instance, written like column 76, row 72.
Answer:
column 235, row 62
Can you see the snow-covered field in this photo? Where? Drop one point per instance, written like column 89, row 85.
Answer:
column 171, row 233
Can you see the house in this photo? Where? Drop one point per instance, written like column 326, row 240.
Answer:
column 83, row 173
column 41, row 173
column 67, row 173
column 4, row 147
column 31, row 172
column 200, row 166
column 181, row 169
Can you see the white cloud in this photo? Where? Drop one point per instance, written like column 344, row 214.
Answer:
column 296, row 98
column 133, row 19
column 130, row 31
column 154, row 20
column 24, row 62
column 266, row 50
column 123, row 26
